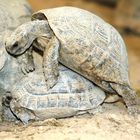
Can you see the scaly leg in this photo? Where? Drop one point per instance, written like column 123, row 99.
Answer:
column 50, row 62
column 26, row 61
column 129, row 96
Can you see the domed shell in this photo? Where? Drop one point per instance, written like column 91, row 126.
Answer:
column 71, row 91
column 89, row 44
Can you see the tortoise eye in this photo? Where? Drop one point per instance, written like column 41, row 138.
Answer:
column 15, row 45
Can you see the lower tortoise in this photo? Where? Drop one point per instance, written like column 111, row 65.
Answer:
column 72, row 95
column 82, row 42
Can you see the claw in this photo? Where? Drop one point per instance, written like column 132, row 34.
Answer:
column 31, row 68
column 23, row 69
column 26, row 68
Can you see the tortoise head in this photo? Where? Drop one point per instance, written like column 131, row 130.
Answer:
column 20, row 39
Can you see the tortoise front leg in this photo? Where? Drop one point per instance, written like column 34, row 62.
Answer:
column 26, row 61
column 21, row 113
column 5, row 98
column 50, row 62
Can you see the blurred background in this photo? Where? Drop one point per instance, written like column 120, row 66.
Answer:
column 123, row 14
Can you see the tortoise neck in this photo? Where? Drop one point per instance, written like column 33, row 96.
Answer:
column 40, row 28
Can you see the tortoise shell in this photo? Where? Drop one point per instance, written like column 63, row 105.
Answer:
column 89, row 45
column 71, row 94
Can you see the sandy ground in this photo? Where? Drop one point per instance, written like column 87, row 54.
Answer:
column 112, row 124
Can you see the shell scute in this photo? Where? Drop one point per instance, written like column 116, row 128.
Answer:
column 73, row 102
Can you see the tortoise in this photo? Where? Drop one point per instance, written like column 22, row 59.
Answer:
column 12, row 14
column 81, row 41
column 72, row 95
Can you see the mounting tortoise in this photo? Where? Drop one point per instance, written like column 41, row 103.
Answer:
column 82, row 42
column 12, row 14
column 72, row 95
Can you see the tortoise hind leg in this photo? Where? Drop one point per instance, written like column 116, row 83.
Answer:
column 129, row 96
column 50, row 62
